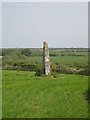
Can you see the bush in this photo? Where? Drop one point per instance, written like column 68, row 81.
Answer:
column 26, row 52
column 52, row 54
column 53, row 74
column 62, row 55
column 83, row 72
column 39, row 72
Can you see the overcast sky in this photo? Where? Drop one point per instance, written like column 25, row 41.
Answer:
column 62, row 25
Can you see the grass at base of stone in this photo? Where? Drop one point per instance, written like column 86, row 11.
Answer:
column 28, row 96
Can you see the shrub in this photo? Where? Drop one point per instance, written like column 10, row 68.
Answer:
column 52, row 54
column 53, row 74
column 62, row 55
column 26, row 52
column 83, row 72
column 39, row 72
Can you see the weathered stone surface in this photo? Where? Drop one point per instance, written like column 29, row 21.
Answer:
column 46, row 60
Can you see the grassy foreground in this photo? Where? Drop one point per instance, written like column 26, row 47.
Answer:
column 27, row 96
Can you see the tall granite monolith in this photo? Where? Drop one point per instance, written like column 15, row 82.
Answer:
column 46, row 60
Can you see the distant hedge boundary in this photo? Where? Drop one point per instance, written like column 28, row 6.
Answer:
column 39, row 69
column 21, row 59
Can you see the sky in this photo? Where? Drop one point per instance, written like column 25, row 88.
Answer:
column 29, row 24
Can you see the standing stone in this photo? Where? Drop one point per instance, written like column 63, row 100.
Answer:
column 46, row 60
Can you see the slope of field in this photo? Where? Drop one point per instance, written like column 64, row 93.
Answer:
column 27, row 96
column 64, row 60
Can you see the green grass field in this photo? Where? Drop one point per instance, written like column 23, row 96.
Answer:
column 27, row 96
column 62, row 59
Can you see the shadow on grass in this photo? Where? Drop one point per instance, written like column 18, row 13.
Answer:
column 87, row 95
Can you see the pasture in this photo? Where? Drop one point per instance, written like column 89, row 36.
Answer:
column 25, row 95
column 63, row 60
column 60, row 95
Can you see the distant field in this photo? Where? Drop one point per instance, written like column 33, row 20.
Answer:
column 27, row 96
column 61, row 59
